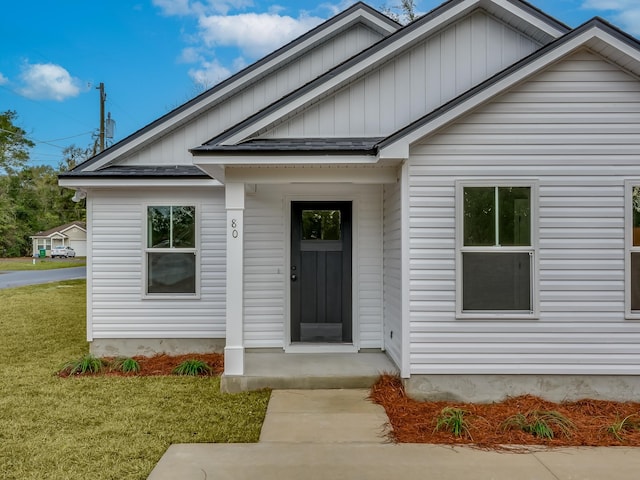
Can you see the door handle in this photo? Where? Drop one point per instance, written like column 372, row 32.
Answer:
column 294, row 277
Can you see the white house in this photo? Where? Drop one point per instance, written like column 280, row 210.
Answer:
column 460, row 193
column 72, row 235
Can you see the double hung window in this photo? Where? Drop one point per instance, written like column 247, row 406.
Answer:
column 171, row 251
column 632, row 192
column 496, row 267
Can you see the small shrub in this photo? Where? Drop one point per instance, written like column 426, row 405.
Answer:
column 627, row 424
column 540, row 423
column 126, row 365
column 452, row 420
column 83, row 365
column 192, row 367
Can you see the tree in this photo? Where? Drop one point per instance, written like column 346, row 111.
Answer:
column 14, row 145
column 403, row 13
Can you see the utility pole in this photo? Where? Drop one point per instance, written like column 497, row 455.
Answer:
column 103, row 99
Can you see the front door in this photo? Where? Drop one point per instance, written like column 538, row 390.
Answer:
column 320, row 273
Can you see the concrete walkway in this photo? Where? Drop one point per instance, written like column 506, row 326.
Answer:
column 339, row 434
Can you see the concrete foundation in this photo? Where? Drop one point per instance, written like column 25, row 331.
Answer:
column 492, row 388
column 114, row 347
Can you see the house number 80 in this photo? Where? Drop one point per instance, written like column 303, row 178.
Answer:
column 234, row 227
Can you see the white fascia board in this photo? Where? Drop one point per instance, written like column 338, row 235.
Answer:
column 203, row 162
column 533, row 20
column 402, row 144
column 73, row 226
column 337, row 174
column 257, row 72
column 75, row 183
column 351, row 72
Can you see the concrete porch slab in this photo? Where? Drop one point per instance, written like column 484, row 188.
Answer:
column 308, row 371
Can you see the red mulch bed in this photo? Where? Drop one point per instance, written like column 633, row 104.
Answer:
column 163, row 364
column 414, row 422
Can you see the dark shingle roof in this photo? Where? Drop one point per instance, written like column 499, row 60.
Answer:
column 140, row 171
column 297, row 146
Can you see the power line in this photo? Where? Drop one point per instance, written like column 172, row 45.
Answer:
column 46, row 142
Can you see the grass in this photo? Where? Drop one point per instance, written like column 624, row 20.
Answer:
column 26, row 263
column 85, row 364
column 452, row 420
column 541, row 424
column 192, row 367
column 126, row 365
column 620, row 427
column 96, row 427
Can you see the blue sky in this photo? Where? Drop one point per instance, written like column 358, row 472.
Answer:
column 154, row 55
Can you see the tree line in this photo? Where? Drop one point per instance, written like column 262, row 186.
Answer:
column 30, row 198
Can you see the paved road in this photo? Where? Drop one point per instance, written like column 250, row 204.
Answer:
column 22, row 278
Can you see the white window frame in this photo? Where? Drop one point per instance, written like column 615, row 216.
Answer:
column 532, row 249
column 146, row 250
column 628, row 246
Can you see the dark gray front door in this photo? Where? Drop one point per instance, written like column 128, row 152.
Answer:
column 321, row 272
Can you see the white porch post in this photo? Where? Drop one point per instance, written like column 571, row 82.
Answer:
column 234, row 349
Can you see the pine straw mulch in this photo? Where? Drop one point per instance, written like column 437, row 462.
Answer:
column 414, row 422
column 161, row 364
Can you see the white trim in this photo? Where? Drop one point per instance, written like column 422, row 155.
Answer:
column 82, row 182
column 234, row 349
column 629, row 247
column 592, row 37
column 202, row 161
column 533, row 249
column 197, row 251
column 89, row 260
column 299, row 174
column 355, row 268
column 405, row 226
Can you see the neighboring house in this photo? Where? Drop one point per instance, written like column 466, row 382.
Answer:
column 460, row 193
column 72, row 235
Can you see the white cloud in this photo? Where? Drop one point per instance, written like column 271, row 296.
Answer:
column 48, row 81
column 626, row 13
column 209, row 73
column 3, row 80
column 255, row 34
column 189, row 7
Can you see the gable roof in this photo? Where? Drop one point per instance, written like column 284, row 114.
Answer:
column 359, row 12
column 61, row 229
column 597, row 34
column 538, row 24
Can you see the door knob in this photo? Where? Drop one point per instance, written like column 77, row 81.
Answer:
column 294, row 277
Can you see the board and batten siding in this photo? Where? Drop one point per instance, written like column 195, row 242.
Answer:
column 266, row 225
column 413, row 83
column 174, row 148
column 575, row 129
column 118, row 310
column 392, row 272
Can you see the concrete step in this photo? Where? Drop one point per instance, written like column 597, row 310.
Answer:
column 279, row 370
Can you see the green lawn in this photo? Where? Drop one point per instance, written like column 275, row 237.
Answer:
column 12, row 264
column 96, row 427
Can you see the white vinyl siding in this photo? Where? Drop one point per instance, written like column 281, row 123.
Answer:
column 174, row 147
column 117, row 242
column 575, row 129
column 265, row 263
column 414, row 82
column 392, row 258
